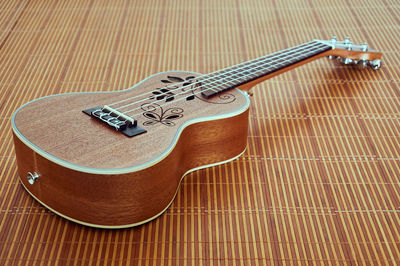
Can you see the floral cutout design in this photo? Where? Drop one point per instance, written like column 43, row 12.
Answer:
column 156, row 114
column 177, row 88
column 167, row 92
column 161, row 93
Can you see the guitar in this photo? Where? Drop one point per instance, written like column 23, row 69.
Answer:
column 116, row 159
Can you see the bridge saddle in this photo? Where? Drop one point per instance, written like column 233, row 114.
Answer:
column 119, row 121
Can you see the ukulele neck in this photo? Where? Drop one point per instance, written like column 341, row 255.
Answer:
column 247, row 74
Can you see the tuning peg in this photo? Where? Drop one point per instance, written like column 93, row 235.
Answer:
column 349, row 48
column 347, row 61
column 364, row 47
column 375, row 64
column 344, row 60
column 331, row 57
column 347, row 40
column 333, row 41
column 364, row 63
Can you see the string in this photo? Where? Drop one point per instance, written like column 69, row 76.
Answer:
column 216, row 73
column 282, row 59
column 209, row 75
column 184, row 92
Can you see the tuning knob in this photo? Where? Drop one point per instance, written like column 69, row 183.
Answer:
column 333, row 41
column 349, row 47
column 343, row 60
column 375, row 64
column 364, row 47
column 347, row 61
column 347, row 40
column 364, row 63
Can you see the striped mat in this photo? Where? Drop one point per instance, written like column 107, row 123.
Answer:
column 320, row 180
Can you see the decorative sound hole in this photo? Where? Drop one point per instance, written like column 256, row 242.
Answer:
column 161, row 93
column 169, row 93
column 177, row 88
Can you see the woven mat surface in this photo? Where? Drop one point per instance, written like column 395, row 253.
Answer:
column 319, row 181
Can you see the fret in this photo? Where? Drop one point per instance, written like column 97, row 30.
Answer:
column 245, row 72
column 219, row 82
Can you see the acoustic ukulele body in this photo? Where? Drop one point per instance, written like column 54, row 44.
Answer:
column 92, row 174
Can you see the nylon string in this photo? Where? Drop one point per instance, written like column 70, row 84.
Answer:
column 209, row 75
column 281, row 60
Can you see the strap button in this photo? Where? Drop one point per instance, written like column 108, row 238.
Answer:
column 32, row 177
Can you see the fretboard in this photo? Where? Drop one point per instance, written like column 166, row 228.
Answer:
column 240, row 74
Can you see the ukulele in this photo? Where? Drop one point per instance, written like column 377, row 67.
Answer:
column 116, row 159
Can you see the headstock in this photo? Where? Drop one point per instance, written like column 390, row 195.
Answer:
column 352, row 54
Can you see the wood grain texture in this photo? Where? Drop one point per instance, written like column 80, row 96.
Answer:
column 319, row 182
column 56, row 125
column 122, row 200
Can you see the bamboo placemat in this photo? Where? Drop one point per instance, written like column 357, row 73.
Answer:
column 320, row 180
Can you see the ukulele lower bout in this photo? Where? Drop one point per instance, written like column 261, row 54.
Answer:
column 91, row 173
